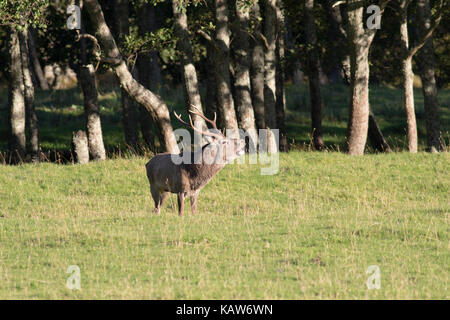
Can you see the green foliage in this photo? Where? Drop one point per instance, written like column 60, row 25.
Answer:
column 21, row 14
column 161, row 40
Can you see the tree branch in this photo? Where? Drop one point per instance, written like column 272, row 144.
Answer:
column 425, row 38
column 208, row 38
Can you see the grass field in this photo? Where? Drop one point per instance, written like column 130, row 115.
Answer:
column 310, row 231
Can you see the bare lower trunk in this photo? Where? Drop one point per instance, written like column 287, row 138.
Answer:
column 224, row 94
column 280, row 104
column 242, row 74
column 29, row 97
column 92, row 112
column 426, row 63
column 270, row 21
column 140, row 94
column 257, row 70
column 16, row 101
column 359, row 103
column 408, row 102
column 359, row 91
column 408, row 93
column 80, row 147
column 189, row 74
column 39, row 73
column 313, row 76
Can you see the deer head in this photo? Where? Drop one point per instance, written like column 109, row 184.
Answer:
column 220, row 149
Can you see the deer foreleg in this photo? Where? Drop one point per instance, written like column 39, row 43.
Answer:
column 181, row 196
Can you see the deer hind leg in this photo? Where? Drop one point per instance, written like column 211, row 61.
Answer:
column 193, row 200
column 163, row 197
column 181, row 196
column 156, row 198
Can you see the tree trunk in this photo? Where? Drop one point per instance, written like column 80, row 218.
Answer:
column 16, row 101
column 86, row 77
column 149, row 70
column 92, row 112
column 280, row 104
column 257, row 70
column 34, row 57
column 121, row 15
column 270, row 22
column 426, row 64
column 139, row 93
column 242, row 73
column 224, row 94
column 359, row 98
column 190, row 83
column 29, row 97
column 211, row 84
column 80, row 147
column 313, row 75
column 408, row 78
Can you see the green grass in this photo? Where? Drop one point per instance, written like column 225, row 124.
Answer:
column 310, row 231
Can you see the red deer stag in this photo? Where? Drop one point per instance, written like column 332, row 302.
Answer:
column 187, row 178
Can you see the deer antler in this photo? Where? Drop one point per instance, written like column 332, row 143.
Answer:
column 200, row 114
column 191, row 124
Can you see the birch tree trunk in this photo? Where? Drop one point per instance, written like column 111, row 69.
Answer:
column 190, row 83
column 257, row 69
column 224, row 94
column 92, row 112
column 313, row 75
column 139, row 93
column 270, row 22
column 16, row 99
column 86, row 78
column 359, row 41
column 29, row 96
column 242, row 73
column 408, row 78
column 426, row 63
